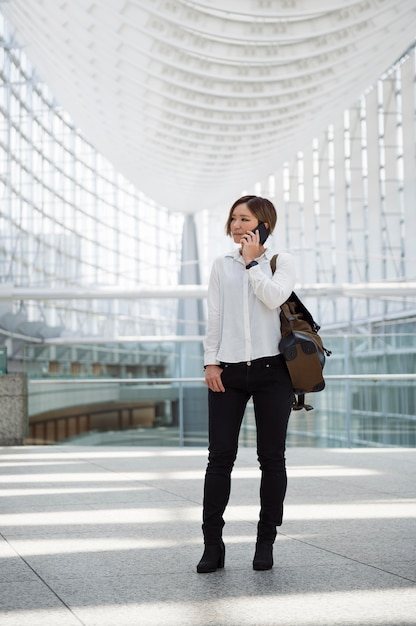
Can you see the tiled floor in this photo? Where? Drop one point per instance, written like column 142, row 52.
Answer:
column 111, row 536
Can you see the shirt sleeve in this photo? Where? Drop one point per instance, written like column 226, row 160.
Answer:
column 274, row 291
column 212, row 337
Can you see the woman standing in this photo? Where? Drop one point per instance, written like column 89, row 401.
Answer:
column 242, row 360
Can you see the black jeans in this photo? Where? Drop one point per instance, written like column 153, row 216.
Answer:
column 267, row 381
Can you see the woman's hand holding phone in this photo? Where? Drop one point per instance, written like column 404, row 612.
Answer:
column 252, row 243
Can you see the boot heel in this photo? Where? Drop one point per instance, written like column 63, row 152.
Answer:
column 212, row 559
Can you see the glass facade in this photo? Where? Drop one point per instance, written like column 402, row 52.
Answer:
column 346, row 204
column 68, row 219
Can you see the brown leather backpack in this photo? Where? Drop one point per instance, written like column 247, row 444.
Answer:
column 302, row 348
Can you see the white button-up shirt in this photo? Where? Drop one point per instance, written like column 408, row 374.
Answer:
column 244, row 307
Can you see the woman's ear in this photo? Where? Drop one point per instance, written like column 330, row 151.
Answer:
column 266, row 225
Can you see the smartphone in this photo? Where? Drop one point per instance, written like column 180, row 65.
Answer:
column 263, row 232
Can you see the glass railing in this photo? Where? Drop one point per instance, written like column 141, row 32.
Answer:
column 129, row 395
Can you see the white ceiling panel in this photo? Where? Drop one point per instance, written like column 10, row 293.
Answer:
column 194, row 101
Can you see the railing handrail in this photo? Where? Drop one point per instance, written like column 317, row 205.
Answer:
column 66, row 381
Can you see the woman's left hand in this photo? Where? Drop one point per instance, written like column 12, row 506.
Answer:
column 250, row 246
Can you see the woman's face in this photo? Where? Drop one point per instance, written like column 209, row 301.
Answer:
column 242, row 220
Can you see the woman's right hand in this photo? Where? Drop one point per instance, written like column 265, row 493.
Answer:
column 213, row 377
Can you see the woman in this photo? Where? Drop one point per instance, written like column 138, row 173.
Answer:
column 242, row 360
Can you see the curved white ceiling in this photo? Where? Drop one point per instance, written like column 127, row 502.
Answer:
column 195, row 101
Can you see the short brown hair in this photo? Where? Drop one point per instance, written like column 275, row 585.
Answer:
column 262, row 208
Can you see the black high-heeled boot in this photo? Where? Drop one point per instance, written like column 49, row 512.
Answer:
column 263, row 556
column 212, row 559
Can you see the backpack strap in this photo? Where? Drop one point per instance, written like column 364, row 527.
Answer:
column 273, row 261
column 299, row 403
column 297, row 302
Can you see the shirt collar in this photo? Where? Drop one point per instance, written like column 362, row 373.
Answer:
column 235, row 254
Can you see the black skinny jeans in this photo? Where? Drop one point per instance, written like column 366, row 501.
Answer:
column 267, row 381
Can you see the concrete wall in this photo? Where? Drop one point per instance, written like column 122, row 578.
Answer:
column 13, row 409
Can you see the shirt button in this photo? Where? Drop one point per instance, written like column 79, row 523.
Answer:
column 248, row 362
